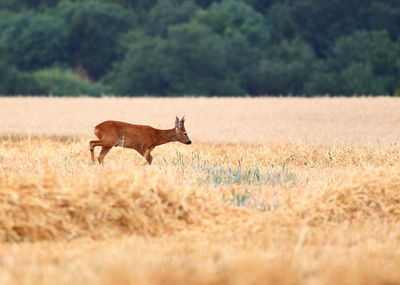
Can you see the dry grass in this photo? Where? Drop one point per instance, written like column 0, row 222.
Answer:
column 294, row 212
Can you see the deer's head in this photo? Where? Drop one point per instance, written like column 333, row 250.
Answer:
column 181, row 134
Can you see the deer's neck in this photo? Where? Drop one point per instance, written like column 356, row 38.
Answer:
column 166, row 136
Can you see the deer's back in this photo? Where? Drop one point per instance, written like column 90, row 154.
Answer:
column 124, row 134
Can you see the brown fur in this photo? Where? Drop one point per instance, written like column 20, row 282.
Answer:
column 143, row 139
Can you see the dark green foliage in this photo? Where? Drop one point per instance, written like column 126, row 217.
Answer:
column 61, row 83
column 190, row 61
column 141, row 70
column 34, row 40
column 358, row 78
column 93, row 32
column 198, row 62
column 39, row 3
column 281, row 23
column 233, row 17
column 322, row 81
column 385, row 15
column 142, row 6
column 261, row 5
column 14, row 82
column 206, row 3
column 244, row 35
column 242, row 61
column 320, row 22
column 169, row 12
column 50, row 81
column 11, row 5
column 286, row 68
column 366, row 62
column 200, row 47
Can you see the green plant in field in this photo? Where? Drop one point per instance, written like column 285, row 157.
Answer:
column 220, row 173
column 179, row 158
column 248, row 200
column 280, row 176
column 238, row 199
column 227, row 175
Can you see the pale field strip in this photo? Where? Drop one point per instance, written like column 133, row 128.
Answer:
column 215, row 120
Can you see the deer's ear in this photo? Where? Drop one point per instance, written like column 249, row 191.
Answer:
column 177, row 123
column 183, row 120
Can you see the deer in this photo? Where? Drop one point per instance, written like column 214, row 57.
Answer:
column 141, row 138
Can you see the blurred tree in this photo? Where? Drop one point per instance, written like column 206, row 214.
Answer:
column 242, row 61
column 373, row 54
column 385, row 15
column 12, row 5
column 198, row 63
column 169, row 12
column 141, row 8
column 144, row 5
column 232, row 17
column 262, row 5
column 322, row 81
column 207, row 46
column 60, row 82
column 206, row 3
column 40, row 3
column 358, row 79
column 93, row 32
column 286, row 68
column 320, row 22
column 191, row 60
column 34, row 40
column 20, row 5
column 281, row 23
column 12, row 81
column 141, row 70
column 244, row 34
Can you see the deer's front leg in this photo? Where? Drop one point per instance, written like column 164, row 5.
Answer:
column 148, row 156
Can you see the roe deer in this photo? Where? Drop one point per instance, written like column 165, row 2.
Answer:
column 143, row 139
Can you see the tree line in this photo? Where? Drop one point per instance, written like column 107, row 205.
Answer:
column 200, row 47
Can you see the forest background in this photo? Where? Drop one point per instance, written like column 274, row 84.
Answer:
column 199, row 47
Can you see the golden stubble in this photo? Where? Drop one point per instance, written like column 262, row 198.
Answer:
column 287, row 210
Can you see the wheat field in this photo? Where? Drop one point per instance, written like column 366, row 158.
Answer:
column 272, row 191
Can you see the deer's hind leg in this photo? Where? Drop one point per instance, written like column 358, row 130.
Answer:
column 93, row 144
column 106, row 146
column 148, row 156
column 103, row 153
